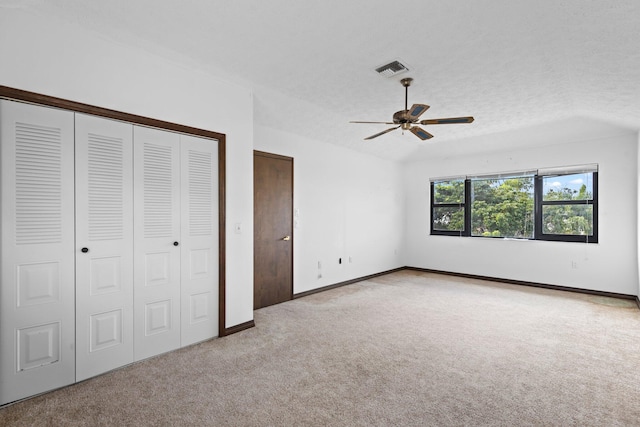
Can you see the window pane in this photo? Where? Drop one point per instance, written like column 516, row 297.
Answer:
column 448, row 218
column 502, row 207
column 448, row 191
column 568, row 187
column 574, row 220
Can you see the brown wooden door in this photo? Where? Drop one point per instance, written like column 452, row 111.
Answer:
column 273, row 229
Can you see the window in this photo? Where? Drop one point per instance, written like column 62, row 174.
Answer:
column 448, row 207
column 558, row 204
column 567, row 207
column 502, row 206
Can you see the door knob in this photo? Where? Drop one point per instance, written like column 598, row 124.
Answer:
column 286, row 238
column 84, row 250
column 175, row 243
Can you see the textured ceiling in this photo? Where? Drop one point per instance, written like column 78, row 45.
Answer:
column 509, row 63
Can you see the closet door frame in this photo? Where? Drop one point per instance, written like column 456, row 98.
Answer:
column 35, row 98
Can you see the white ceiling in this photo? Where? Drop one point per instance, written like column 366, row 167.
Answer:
column 509, row 63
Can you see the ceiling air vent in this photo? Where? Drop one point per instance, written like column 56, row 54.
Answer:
column 391, row 69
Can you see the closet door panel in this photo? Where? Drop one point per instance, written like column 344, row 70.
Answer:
column 199, row 268
column 37, row 319
column 156, row 242
column 104, row 245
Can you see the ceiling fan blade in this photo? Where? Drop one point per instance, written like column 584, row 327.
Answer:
column 382, row 123
column 420, row 133
column 382, row 133
column 416, row 111
column 449, row 121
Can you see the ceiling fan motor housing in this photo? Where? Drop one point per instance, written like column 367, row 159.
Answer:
column 402, row 118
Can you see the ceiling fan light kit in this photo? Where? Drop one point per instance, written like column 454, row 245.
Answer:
column 407, row 119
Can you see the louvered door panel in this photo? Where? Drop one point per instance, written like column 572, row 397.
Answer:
column 37, row 324
column 199, row 267
column 156, row 242
column 104, row 228
column 38, row 184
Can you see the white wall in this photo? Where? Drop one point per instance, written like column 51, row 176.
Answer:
column 611, row 265
column 59, row 59
column 350, row 205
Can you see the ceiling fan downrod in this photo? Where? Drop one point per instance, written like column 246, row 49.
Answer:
column 404, row 123
column 406, row 82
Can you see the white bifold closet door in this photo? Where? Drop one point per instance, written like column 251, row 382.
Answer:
column 37, row 318
column 175, row 241
column 199, row 245
column 104, row 245
column 128, row 272
column 156, row 242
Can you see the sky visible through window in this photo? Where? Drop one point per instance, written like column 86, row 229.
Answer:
column 572, row 182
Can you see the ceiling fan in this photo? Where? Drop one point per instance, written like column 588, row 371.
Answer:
column 407, row 119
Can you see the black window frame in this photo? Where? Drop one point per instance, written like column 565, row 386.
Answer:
column 540, row 202
column 463, row 205
column 537, row 214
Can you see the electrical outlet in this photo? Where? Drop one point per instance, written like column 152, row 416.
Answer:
column 574, row 264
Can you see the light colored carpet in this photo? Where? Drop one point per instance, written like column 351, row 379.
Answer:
column 405, row 349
